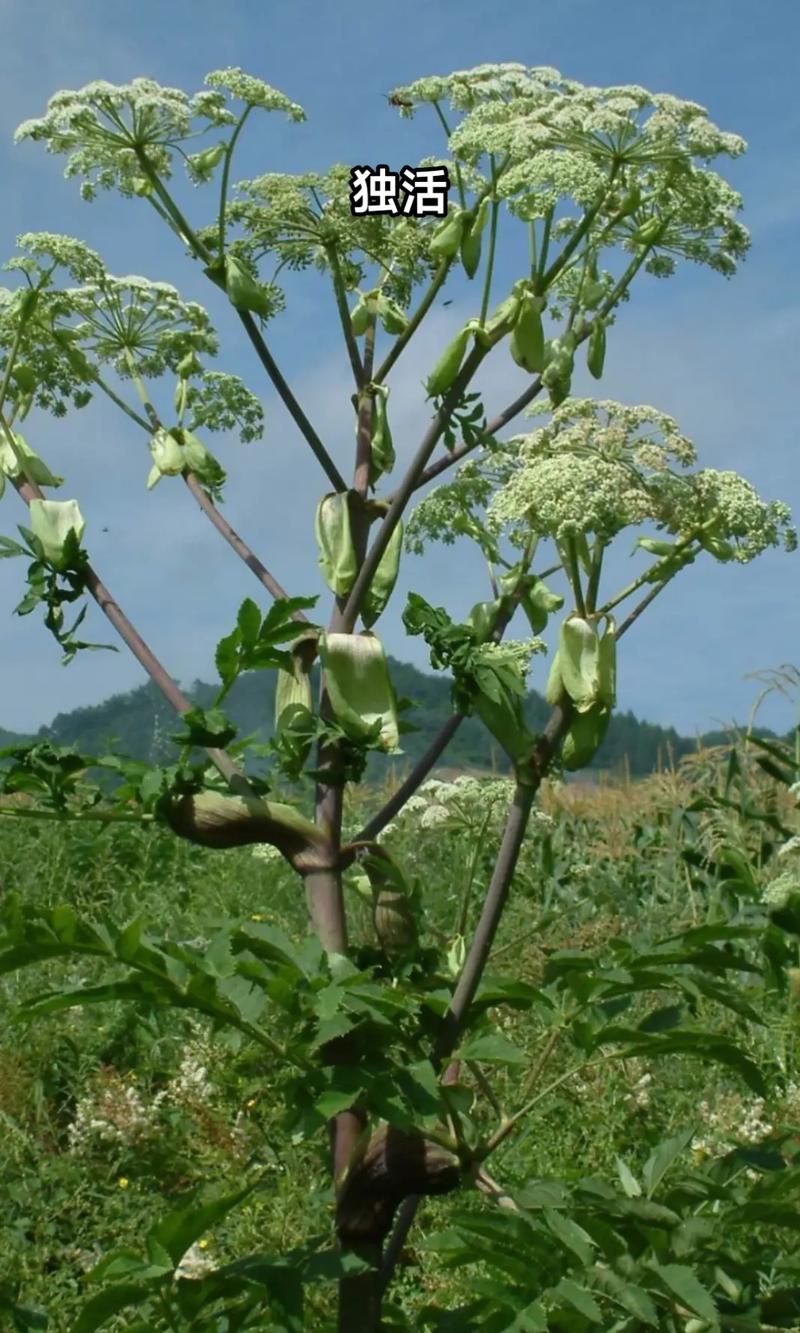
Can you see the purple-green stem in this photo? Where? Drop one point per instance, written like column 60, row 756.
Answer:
column 417, row 775
column 485, row 932
column 359, row 1296
column 403, row 339
column 502, row 419
column 353, row 353
column 133, row 640
column 487, row 282
column 402, row 495
column 482, row 940
column 201, row 252
column 236, row 543
column 290, row 402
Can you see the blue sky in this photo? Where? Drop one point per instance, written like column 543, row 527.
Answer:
column 720, row 356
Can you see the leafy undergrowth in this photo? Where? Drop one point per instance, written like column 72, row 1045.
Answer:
column 641, row 1010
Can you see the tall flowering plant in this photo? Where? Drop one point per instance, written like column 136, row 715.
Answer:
column 389, row 1051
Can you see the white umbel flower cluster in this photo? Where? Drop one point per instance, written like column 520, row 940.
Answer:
column 191, row 1084
column 115, row 1112
column 599, row 467
column 106, row 129
column 595, row 468
column 638, row 1099
column 466, row 803
column 134, row 316
column 731, row 1121
column 558, row 139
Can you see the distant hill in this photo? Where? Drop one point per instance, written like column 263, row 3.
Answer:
column 140, row 723
column 10, row 737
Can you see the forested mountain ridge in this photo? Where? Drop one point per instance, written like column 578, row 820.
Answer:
column 140, row 723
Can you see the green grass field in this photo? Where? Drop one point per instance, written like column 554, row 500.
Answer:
column 110, row 1113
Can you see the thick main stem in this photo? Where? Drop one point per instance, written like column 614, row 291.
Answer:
column 407, row 487
column 482, row 940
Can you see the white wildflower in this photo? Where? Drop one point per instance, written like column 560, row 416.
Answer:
column 559, row 140
column 639, row 1096
column 191, row 1084
column 246, row 88
column 194, row 1265
column 265, row 851
column 598, row 467
column 112, row 1113
column 733, row 1121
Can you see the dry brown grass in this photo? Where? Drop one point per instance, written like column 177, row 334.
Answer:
column 15, row 1085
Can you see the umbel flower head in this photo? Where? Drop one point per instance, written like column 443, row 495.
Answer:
column 628, row 155
column 115, row 135
column 130, row 323
column 301, row 217
column 134, row 317
column 46, row 372
column 599, row 467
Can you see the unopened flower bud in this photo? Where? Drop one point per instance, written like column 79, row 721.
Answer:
column 52, row 521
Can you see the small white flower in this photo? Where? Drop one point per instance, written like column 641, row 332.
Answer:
column 194, row 1265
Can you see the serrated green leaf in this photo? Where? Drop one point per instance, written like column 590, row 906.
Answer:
column 332, row 1101
column 55, row 1002
column 129, row 939
column 662, row 1160
column 226, row 657
column 580, row 1299
column 663, row 1019
column 684, row 1284
column 491, row 1048
column 337, row 1025
column 637, row 1301
column 248, row 622
column 571, row 1236
column 628, row 1180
